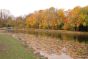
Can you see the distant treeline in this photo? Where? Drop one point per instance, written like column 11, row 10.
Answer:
column 75, row 19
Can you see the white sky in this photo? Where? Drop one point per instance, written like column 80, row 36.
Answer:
column 22, row 7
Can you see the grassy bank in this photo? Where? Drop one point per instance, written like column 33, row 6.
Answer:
column 10, row 48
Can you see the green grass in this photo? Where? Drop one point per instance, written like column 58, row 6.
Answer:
column 10, row 48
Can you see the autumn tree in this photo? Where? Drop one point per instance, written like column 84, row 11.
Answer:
column 61, row 18
column 58, row 18
column 19, row 22
column 31, row 21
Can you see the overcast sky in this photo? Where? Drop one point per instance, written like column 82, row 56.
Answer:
column 23, row 7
